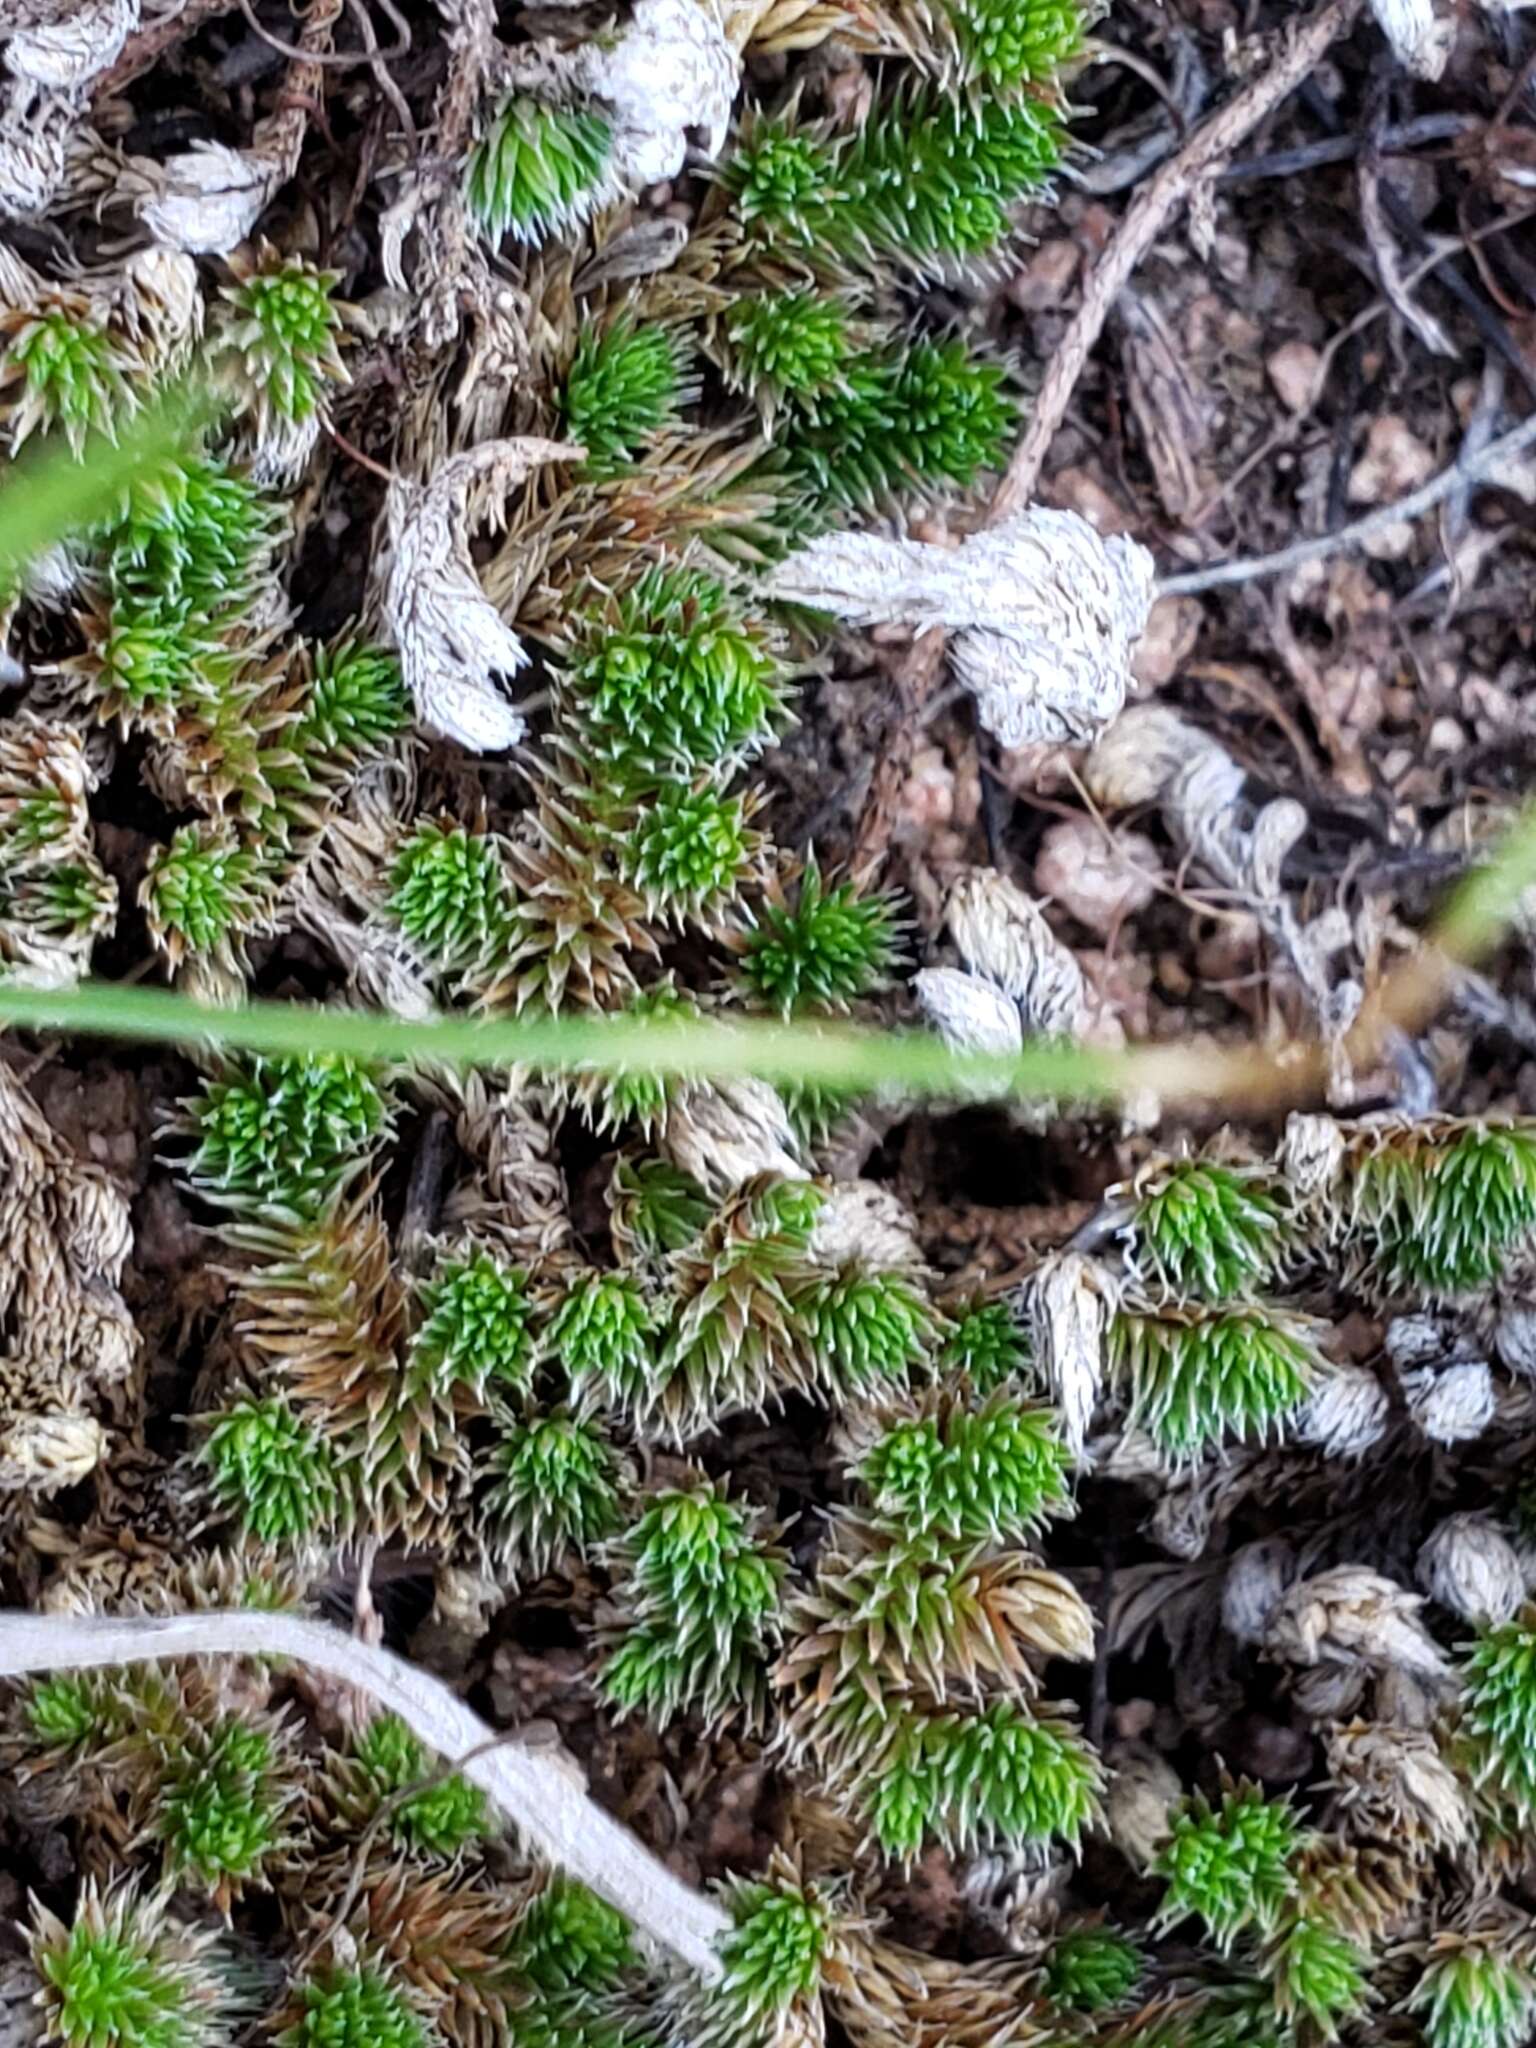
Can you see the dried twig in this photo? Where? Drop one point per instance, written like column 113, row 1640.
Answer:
column 544, row 1799
column 1149, row 213
column 1468, row 467
column 1145, row 219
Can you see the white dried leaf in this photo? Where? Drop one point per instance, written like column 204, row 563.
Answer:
column 1004, row 936
column 451, row 638
column 969, row 1014
column 1420, row 37
column 1256, row 1581
column 1143, row 1790
column 205, row 201
column 65, row 55
column 1470, row 1566
column 281, row 451
column 1043, row 614
column 1393, row 1784
column 1311, row 1154
column 1353, row 1616
column 1414, row 1341
column 725, row 1133
column 669, row 79
column 1182, row 1519
column 1345, row 1414
column 35, row 132
column 161, row 305
column 46, row 1450
column 1138, row 758
column 1454, row 1405
column 1070, row 1299
column 1514, row 1338
column 860, row 1219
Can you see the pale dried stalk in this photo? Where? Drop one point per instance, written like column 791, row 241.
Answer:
column 544, row 1799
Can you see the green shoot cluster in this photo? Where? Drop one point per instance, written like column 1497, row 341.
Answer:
column 538, row 171
column 567, row 1939
column 996, row 1473
column 1090, row 1969
column 360, row 2008
column 1443, row 1213
column 219, row 1809
column 1473, row 1996
column 1199, row 1376
column 286, row 329
column 1204, row 1232
column 1229, row 1865
column 603, row 1334
column 439, row 1819
column 927, row 180
column 121, row 1975
column 667, row 679
column 273, row 1472
column 475, row 1326
column 625, row 383
column 556, row 1491
column 699, row 1587
column 284, row 1135
column 820, row 947
column 1499, row 1712
column 771, row 1958
column 989, row 1345
column 1011, row 43
column 449, row 893
column 61, row 369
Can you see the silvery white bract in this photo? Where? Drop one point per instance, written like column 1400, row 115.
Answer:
column 725, row 1133
column 452, row 639
column 67, row 54
column 1003, row 935
column 1421, row 34
column 1070, row 1299
column 35, row 130
column 668, row 79
column 969, row 1014
column 1350, row 1615
column 1469, row 1565
column 1042, row 612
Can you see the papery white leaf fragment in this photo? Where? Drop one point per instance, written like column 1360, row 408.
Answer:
column 1470, row 1566
column 1421, row 37
column 1350, row 1615
column 1003, row 935
column 969, row 1014
column 452, row 639
column 35, row 131
column 67, row 54
column 1256, row 1582
column 669, row 79
column 1070, row 1299
column 1453, row 1405
column 726, row 1133
column 1151, row 755
column 1345, row 1414
column 1043, row 614
column 861, row 1219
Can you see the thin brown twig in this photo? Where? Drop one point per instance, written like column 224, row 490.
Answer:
column 1468, row 468
column 1149, row 213
column 1146, row 217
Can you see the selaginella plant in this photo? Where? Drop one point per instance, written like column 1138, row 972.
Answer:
column 607, row 1355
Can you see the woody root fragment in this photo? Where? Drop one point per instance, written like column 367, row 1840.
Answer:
column 544, row 1797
